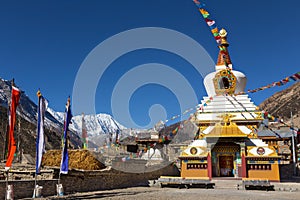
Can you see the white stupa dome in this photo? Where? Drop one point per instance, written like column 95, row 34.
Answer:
column 241, row 81
column 199, row 143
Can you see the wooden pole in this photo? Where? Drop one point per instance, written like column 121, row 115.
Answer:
column 293, row 146
column 34, row 189
column 19, row 138
column 6, row 191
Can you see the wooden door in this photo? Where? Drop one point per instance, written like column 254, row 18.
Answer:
column 226, row 166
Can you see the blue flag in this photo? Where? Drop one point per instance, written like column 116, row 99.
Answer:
column 65, row 157
column 40, row 139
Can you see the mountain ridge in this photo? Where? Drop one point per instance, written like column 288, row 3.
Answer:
column 26, row 120
column 102, row 128
column 282, row 103
column 97, row 125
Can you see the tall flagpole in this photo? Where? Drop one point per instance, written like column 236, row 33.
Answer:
column 62, row 147
column 65, row 156
column 6, row 145
column 36, row 157
column 15, row 97
column 40, row 139
column 84, row 133
column 6, row 132
column 19, row 139
column 37, row 127
column 293, row 146
column 6, row 135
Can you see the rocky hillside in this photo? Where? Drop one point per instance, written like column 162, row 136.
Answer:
column 25, row 129
column 282, row 103
column 25, row 134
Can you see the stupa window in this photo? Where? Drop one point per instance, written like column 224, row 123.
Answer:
column 224, row 83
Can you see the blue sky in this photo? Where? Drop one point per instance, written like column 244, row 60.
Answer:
column 43, row 44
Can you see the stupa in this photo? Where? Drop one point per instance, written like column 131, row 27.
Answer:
column 227, row 144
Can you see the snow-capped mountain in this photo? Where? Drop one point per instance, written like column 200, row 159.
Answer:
column 101, row 128
column 96, row 124
column 27, row 109
column 26, row 121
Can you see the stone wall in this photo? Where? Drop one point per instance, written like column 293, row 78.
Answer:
column 24, row 188
column 111, row 179
column 83, row 181
column 286, row 172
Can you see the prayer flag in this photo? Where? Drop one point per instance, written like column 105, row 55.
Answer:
column 15, row 97
column 203, row 11
column 294, row 78
column 200, row 5
column 215, row 30
column 205, row 15
column 217, row 37
column 210, row 22
column 65, row 157
column 214, row 26
column 285, row 80
column 40, row 139
column 175, row 130
column 84, row 133
column 297, row 75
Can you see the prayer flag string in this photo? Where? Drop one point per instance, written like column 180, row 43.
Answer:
column 210, row 23
column 294, row 77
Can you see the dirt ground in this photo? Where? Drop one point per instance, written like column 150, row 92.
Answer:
column 150, row 193
column 185, row 194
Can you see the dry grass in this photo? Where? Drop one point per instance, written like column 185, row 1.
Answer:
column 78, row 159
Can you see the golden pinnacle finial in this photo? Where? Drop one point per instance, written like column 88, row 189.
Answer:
column 68, row 103
column 223, row 34
column 39, row 93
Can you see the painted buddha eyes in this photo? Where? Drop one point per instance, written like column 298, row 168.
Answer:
column 193, row 151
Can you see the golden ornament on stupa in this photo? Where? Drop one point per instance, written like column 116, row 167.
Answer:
column 223, row 34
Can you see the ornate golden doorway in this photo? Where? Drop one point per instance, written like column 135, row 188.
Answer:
column 226, row 166
column 225, row 159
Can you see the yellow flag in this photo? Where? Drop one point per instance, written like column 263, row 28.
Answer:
column 203, row 12
column 215, row 30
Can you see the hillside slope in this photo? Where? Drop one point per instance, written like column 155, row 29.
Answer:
column 282, row 103
column 26, row 120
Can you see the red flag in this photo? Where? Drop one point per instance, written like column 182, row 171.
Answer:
column 15, row 97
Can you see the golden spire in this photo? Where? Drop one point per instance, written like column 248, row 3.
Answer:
column 223, row 58
column 39, row 93
column 223, row 34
